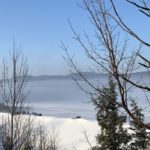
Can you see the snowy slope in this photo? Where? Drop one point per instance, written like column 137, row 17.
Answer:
column 69, row 131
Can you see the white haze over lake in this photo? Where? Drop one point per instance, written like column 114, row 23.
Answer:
column 62, row 98
column 59, row 98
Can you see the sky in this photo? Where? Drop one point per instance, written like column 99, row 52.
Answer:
column 40, row 26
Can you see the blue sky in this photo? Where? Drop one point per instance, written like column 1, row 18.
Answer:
column 39, row 26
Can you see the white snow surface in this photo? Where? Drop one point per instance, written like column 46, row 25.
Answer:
column 69, row 131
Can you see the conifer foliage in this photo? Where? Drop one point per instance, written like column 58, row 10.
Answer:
column 112, row 136
column 140, row 136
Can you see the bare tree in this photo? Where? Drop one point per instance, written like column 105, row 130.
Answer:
column 87, row 140
column 14, row 79
column 109, row 53
column 44, row 139
column 144, row 7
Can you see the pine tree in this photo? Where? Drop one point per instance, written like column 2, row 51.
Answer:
column 140, row 136
column 112, row 136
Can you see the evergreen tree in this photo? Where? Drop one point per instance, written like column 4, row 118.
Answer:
column 140, row 136
column 112, row 136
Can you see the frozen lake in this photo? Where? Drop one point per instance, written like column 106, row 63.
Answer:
column 63, row 98
column 59, row 98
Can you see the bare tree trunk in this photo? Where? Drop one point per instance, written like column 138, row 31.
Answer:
column 12, row 91
column 110, row 54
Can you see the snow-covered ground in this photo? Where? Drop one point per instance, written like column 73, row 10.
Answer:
column 69, row 131
column 65, row 101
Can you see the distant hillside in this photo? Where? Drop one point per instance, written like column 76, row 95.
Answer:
column 47, row 77
column 88, row 75
column 65, row 77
